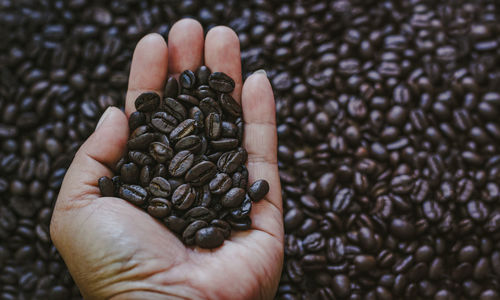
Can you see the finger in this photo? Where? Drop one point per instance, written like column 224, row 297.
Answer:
column 185, row 42
column 222, row 54
column 260, row 141
column 95, row 158
column 149, row 69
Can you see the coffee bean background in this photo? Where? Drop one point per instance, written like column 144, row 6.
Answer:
column 387, row 121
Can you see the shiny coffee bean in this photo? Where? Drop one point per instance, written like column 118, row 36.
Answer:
column 221, row 82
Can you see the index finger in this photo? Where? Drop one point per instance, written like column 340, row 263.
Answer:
column 149, row 69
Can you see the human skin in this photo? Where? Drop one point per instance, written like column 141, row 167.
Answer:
column 114, row 250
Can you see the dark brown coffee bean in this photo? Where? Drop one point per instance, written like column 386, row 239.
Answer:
column 241, row 224
column 258, row 190
column 229, row 130
column 402, row 229
column 106, row 186
column 233, row 197
column 242, row 211
column 188, row 100
column 176, row 224
column 199, row 213
column 229, row 162
column 188, row 235
column 223, row 226
column 209, row 105
column 136, row 119
column 173, row 108
column 209, row 237
column 159, row 207
column 141, row 142
column 224, row 144
column 229, row 105
column 160, row 152
column 342, row 200
column 213, row 126
column 185, row 128
column 181, row 163
column 184, row 196
column 159, row 187
column 220, row 184
column 187, row 79
column 129, row 173
column 202, row 74
column 140, row 158
column 171, row 88
column 192, row 143
column 147, row 102
column 221, row 82
column 163, row 122
column 201, row 173
column 133, row 193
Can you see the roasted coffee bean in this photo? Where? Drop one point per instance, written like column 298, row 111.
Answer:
column 184, row 196
column 220, row 184
column 173, row 108
column 244, row 210
column 188, row 235
column 240, row 224
column 163, row 122
column 136, row 119
column 223, row 226
column 199, row 213
column 224, row 144
column 181, row 163
column 139, row 158
column 176, row 224
column 202, row 75
column 258, row 190
column 229, row 162
column 133, row 193
column 213, row 126
column 187, row 79
column 342, row 200
column 171, row 88
column 185, row 128
column 106, row 186
column 209, row 237
column 229, row 105
column 141, row 142
column 233, row 197
column 129, row 173
column 159, row 187
column 221, row 82
column 159, row 207
column 188, row 100
column 147, row 102
column 193, row 143
column 160, row 152
column 208, row 105
column 201, row 173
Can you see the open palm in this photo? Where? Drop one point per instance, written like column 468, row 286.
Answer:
column 117, row 251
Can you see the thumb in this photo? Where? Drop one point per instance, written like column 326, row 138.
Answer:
column 95, row 158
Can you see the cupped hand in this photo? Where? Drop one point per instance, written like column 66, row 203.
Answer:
column 115, row 250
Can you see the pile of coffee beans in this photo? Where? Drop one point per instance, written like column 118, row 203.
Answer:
column 389, row 140
column 185, row 164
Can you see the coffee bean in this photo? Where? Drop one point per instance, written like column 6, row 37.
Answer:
column 402, row 229
column 233, row 197
column 184, row 196
column 133, row 193
column 159, row 187
column 159, row 207
column 160, row 152
column 188, row 100
column 136, row 119
column 230, row 105
column 220, row 184
column 209, row 237
column 342, row 200
column 187, row 79
column 189, row 234
column 139, row 158
column 171, row 88
column 106, row 186
column 176, row 224
column 224, row 144
column 173, row 108
column 147, row 102
column 213, row 126
column 229, row 162
column 258, row 190
column 181, row 163
column 221, row 82
column 163, row 122
column 201, row 173
column 129, row 173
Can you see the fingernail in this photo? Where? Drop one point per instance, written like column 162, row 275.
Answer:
column 103, row 117
column 261, row 71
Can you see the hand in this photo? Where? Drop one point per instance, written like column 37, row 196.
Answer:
column 114, row 250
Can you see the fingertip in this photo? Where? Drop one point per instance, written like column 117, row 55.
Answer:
column 222, row 54
column 148, row 71
column 258, row 99
column 186, row 43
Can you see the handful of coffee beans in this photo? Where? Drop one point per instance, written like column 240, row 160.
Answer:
column 185, row 164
